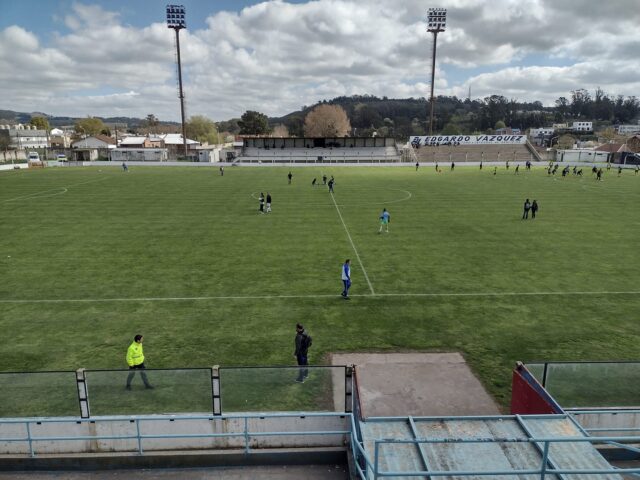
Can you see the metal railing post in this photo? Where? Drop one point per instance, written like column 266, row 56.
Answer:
column 246, row 435
column 140, row 452
column 31, row 452
column 545, row 456
column 348, row 388
column 83, row 393
column 215, row 390
column 376, row 458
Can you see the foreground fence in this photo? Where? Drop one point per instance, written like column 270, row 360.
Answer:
column 590, row 384
column 87, row 393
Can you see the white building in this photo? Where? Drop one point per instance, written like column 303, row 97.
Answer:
column 582, row 126
column 23, row 137
column 541, row 132
column 627, row 129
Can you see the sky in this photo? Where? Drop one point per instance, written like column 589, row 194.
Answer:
column 117, row 57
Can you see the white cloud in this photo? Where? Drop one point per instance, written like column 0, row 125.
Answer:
column 275, row 56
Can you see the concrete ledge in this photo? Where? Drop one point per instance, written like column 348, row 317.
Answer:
column 174, row 459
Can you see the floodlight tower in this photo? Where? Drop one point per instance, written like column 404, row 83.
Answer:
column 176, row 20
column 436, row 22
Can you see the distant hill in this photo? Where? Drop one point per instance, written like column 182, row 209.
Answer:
column 11, row 117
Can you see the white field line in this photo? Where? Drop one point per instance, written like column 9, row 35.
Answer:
column 353, row 245
column 280, row 297
column 26, row 197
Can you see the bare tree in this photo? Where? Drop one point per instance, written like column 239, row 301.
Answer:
column 327, row 121
column 280, row 131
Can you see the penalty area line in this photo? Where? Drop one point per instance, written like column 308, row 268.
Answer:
column 312, row 296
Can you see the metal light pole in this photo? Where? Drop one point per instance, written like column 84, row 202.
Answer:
column 436, row 22
column 176, row 20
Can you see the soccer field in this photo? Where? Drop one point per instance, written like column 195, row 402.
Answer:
column 89, row 257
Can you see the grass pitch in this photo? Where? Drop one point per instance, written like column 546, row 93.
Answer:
column 89, row 257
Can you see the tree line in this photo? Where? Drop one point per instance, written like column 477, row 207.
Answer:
column 366, row 115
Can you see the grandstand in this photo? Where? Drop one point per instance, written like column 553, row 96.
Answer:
column 319, row 150
column 475, row 153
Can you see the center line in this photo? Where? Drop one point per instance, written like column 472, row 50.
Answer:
column 353, row 245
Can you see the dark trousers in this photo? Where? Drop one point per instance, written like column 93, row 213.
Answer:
column 533, row 213
column 347, row 285
column 302, row 372
column 525, row 214
column 132, row 372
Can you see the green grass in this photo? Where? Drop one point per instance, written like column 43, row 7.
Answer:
column 178, row 232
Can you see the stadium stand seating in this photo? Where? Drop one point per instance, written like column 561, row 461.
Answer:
column 475, row 153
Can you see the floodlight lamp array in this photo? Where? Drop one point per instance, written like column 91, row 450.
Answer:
column 176, row 16
column 436, row 19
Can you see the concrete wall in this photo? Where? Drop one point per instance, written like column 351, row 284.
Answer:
column 615, row 419
column 169, row 425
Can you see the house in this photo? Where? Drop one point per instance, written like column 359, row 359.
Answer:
column 59, row 138
column 582, row 126
column 627, row 129
column 23, row 137
column 92, row 148
column 136, row 142
column 174, row 143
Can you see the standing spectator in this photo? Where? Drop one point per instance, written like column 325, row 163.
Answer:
column 261, row 202
column 346, row 278
column 385, row 218
column 135, row 360
column 289, row 176
column 534, row 209
column 331, row 185
column 302, row 343
column 268, row 202
column 527, row 207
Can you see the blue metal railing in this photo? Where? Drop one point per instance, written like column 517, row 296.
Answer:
column 246, row 434
column 369, row 468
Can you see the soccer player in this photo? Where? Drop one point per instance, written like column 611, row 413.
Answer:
column 417, row 166
column 331, row 182
column 124, row 167
column 313, row 183
column 453, row 165
column 534, row 209
column 261, row 202
column 385, row 218
column 517, row 169
column 268, row 202
column 324, row 179
column 346, row 279
column 289, row 176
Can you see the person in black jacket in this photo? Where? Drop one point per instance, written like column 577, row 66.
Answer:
column 302, row 343
column 534, row 208
column 527, row 207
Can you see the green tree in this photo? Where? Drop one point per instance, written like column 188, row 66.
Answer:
column 566, row 142
column 202, row 129
column 500, row 124
column 89, row 126
column 40, row 123
column 5, row 141
column 254, row 123
column 450, row 129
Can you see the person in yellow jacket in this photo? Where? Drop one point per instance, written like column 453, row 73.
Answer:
column 135, row 360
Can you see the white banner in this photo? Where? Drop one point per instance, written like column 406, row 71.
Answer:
column 437, row 140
